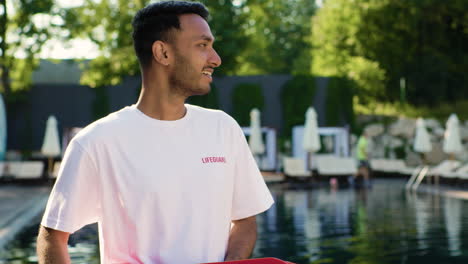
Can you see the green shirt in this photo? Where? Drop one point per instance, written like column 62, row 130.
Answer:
column 362, row 148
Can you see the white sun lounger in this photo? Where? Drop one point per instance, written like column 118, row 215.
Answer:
column 460, row 173
column 444, row 168
column 294, row 167
column 30, row 170
column 335, row 166
column 391, row 166
column 378, row 165
column 24, row 169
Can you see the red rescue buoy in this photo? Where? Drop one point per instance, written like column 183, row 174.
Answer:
column 254, row 261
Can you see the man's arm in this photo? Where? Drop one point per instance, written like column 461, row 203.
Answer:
column 242, row 239
column 52, row 246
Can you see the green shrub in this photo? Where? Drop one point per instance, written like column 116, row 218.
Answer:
column 245, row 97
column 209, row 100
column 297, row 95
column 400, row 152
column 100, row 106
column 339, row 102
column 441, row 111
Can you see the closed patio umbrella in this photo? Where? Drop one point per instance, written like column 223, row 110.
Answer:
column 452, row 140
column 422, row 141
column 255, row 140
column 51, row 143
column 311, row 140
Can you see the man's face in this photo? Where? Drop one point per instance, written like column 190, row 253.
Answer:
column 194, row 57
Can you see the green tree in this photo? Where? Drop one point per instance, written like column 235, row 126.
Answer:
column 378, row 42
column 426, row 44
column 227, row 22
column 108, row 24
column 278, row 37
column 336, row 49
column 19, row 32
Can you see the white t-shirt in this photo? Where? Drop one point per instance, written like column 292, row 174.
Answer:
column 163, row 192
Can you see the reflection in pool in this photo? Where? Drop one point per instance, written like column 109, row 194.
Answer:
column 367, row 226
column 378, row 225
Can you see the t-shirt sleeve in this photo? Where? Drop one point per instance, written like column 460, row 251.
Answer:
column 251, row 194
column 73, row 202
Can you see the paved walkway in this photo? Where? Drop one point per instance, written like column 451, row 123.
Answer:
column 18, row 206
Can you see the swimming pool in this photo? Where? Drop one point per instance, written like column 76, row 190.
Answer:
column 360, row 226
column 380, row 225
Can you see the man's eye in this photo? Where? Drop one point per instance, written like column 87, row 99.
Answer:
column 203, row 45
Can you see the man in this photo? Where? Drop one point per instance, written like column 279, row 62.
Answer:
column 168, row 182
column 363, row 157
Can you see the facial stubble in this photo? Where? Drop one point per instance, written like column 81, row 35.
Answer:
column 185, row 79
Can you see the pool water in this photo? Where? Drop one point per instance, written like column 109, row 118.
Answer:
column 83, row 247
column 380, row 225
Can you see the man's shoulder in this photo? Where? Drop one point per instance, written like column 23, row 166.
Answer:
column 212, row 115
column 104, row 127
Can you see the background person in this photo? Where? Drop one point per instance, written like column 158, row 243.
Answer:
column 363, row 158
column 165, row 180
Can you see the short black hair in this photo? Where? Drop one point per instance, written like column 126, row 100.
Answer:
column 154, row 22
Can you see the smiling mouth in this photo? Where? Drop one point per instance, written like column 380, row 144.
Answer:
column 207, row 73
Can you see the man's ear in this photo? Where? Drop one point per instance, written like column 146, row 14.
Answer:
column 160, row 51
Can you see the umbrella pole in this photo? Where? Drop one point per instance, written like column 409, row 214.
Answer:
column 452, row 158
column 308, row 160
column 424, row 163
column 50, row 166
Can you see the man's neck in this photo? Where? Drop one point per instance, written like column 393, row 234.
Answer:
column 160, row 110
column 158, row 100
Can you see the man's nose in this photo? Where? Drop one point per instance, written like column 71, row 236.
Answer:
column 215, row 60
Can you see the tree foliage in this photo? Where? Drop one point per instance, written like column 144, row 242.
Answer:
column 252, row 36
column 226, row 22
column 278, row 35
column 20, row 32
column 378, row 42
column 108, row 24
